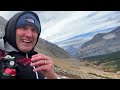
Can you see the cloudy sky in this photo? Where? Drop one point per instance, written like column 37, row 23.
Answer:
column 59, row 26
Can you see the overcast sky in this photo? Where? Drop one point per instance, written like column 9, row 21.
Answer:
column 61, row 25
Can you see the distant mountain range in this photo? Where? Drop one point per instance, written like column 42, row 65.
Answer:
column 102, row 43
column 72, row 45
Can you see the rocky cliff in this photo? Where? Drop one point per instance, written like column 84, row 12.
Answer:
column 102, row 43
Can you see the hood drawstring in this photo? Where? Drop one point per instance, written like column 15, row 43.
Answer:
column 33, row 67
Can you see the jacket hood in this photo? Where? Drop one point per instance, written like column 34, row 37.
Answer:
column 10, row 29
column 6, row 46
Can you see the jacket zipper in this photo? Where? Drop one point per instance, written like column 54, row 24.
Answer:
column 34, row 68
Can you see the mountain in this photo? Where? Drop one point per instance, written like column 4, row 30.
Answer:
column 77, row 41
column 2, row 23
column 51, row 49
column 102, row 43
column 71, row 50
column 71, row 45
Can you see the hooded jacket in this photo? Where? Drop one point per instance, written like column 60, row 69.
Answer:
column 24, row 70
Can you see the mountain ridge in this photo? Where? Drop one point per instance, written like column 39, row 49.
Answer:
column 102, row 43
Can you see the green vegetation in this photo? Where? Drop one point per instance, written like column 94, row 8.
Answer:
column 100, row 76
column 109, row 61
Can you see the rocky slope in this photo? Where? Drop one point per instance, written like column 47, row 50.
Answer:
column 51, row 49
column 2, row 23
column 102, row 43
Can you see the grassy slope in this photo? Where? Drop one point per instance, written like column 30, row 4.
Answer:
column 78, row 70
column 108, row 61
